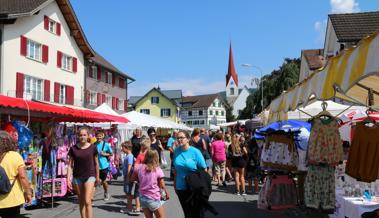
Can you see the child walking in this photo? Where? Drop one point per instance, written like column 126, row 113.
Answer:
column 127, row 168
column 152, row 188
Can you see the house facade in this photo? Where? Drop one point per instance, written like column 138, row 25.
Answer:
column 106, row 84
column 203, row 111
column 311, row 60
column 157, row 103
column 346, row 30
column 42, row 55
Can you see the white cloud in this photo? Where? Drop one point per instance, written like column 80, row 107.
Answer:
column 188, row 86
column 344, row 6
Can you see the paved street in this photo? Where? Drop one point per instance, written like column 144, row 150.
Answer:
column 223, row 199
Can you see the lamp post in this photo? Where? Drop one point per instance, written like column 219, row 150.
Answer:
column 261, row 80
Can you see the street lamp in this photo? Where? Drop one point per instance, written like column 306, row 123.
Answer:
column 256, row 81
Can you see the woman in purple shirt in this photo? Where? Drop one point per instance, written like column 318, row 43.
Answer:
column 83, row 165
column 219, row 158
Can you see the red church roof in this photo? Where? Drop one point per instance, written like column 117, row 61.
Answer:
column 231, row 70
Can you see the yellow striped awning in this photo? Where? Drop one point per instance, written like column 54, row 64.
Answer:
column 352, row 74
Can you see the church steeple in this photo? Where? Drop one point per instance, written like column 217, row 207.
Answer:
column 232, row 73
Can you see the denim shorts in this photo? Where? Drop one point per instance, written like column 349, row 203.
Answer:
column 150, row 204
column 128, row 186
column 78, row 181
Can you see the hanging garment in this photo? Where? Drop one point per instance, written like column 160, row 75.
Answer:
column 278, row 192
column 363, row 160
column 320, row 187
column 325, row 144
column 280, row 152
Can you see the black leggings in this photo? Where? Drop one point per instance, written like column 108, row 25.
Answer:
column 10, row 212
column 190, row 211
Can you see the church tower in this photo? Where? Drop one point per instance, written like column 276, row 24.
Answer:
column 231, row 78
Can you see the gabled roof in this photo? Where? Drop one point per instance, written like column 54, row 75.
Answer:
column 173, row 94
column 354, row 26
column 200, row 100
column 104, row 63
column 13, row 9
column 133, row 99
column 160, row 92
column 314, row 58
column 232, row 73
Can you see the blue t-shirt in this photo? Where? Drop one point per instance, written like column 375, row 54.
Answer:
column 128, row 160
column 103, row 161
column 186, row 162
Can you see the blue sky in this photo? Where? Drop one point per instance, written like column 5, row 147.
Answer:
column 179, row 44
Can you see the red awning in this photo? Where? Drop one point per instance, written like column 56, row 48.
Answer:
column 49, row 112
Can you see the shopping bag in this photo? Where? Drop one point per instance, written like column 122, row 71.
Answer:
column 163, row 161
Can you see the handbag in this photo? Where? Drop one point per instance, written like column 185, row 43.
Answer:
column 5, row 184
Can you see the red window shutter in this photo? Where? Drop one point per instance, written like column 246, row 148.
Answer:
column 113, row 103
column 125, row 105
column 117, row 103
column 58, row 26
column 46, row 22
column 20, row 85
column 98, row 73
column 23, row 46
column 56, row 92
column 98, row 99
column 113, row 79
column 74, row 65
column 106, row 77
column 59, row 59
column 122, row 83
column 88, row 96
column 102, row 98
column 69, row 95
column 45, row 53
column 46, row 90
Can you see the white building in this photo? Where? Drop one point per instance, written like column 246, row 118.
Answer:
column 42, row 52
column 203, row 110
column 311, row 60
column 235, row 97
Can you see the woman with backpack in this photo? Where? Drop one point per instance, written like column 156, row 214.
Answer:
column 12, row 173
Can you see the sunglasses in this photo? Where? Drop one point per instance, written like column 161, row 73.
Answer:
column 181, row 137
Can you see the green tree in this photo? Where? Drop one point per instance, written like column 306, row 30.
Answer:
column 273, row 85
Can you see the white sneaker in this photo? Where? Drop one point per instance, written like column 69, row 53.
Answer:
column 106, row 196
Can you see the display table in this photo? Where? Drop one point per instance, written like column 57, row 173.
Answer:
column 352, row 207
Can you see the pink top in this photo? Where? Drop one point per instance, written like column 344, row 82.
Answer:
column 148, row 182
column 140, row 158
column 218, row 150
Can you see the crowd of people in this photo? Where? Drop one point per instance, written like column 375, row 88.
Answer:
column 221, row 157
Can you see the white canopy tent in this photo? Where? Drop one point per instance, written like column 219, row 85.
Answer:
column 314, row 108
column 232, row 123
column 145, row 120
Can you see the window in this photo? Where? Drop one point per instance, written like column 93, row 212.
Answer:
column 109, row 78
column 189, row 113
column 34, row 50
column 165, row 112
column 216, row 113
column 222, row 113
column 210, row 112
column 108, row 100
column 200, row 113
column 94, row 72
column 231, row 82
column 202, row 122
column 231, row 91
column 62, row 94
column 189, row 122
column 219, row 104
column 34, row 87
column 120, row 104
column 214, row 104
column 196, row 122
column 66, row 62
column 92, row 98
column 145, row 111
column 155, row 100
column 52, row 26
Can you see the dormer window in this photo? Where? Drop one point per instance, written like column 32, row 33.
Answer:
column 52, row 26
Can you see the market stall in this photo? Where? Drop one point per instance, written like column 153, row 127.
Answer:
column 352, row 76
column 44, row 141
